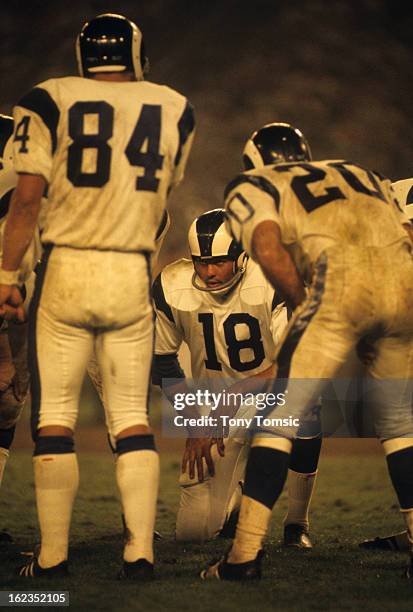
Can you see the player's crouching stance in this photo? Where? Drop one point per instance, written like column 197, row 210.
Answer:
column 223, row 308
column 403, row 191
column 336, row 225
column 110, row 147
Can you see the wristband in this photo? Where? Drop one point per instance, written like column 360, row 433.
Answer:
column 9, row 277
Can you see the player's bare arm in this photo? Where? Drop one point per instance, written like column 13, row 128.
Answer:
column 276, row 262
column 22, row 219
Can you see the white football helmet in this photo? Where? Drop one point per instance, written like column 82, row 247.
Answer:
column 209, row 241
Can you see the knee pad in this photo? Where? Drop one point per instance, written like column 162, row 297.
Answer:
column 53, row 445
column 135, row 443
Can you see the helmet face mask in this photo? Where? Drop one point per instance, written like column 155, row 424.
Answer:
column 210, row 243
column 275, row 143
column 111, row 43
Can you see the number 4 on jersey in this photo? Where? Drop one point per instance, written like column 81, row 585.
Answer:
column 147, row 131
column 142, row 149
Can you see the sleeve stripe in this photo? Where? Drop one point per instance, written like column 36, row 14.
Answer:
column 276, row 301
column 162, row 225
column 40, row 102
column 186, row 126
column 159, row 298
column 258, row 181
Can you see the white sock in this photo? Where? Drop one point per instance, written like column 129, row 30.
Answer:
column 56, row 479
column 300, row 491
column 252, row 526
column 4, row 455
column 137, row 474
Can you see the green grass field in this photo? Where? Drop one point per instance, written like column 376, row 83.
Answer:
column 353, row 500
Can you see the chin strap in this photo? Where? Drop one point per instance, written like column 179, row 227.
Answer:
column 225, row 287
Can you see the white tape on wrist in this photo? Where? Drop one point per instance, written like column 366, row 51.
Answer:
column 9, row 277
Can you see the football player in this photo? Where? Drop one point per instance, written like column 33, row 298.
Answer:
column 110, row 147
column 223, row 308
column 403, row 191
column 312, row 222
column 14, row 374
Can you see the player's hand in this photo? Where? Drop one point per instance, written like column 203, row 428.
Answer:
column 196, row 450
column 220, row 446
column 11, row 304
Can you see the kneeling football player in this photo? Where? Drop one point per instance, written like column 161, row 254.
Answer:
column 223, row 308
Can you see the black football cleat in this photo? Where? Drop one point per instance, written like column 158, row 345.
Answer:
column 296, row 536
column 394, row 543
column 32, row 569
column 240, row 572
column 140, row 570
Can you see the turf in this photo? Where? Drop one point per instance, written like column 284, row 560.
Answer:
column 353, row 501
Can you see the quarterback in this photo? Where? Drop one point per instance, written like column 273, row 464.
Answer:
column 312, row 222
column 109, row 146
column 223, row 308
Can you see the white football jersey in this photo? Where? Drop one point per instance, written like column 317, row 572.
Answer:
column 316, row 205
column 229, row 338
column 110, row 152
column 403, row 191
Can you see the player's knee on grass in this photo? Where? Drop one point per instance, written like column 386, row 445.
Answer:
column 192, row 521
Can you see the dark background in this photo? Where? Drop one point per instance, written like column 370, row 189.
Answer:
column 339, row 70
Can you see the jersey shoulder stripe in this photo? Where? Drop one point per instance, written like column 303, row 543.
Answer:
column 186, row 125
column 257, row 181
column 158, row 296
column 40, row 102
